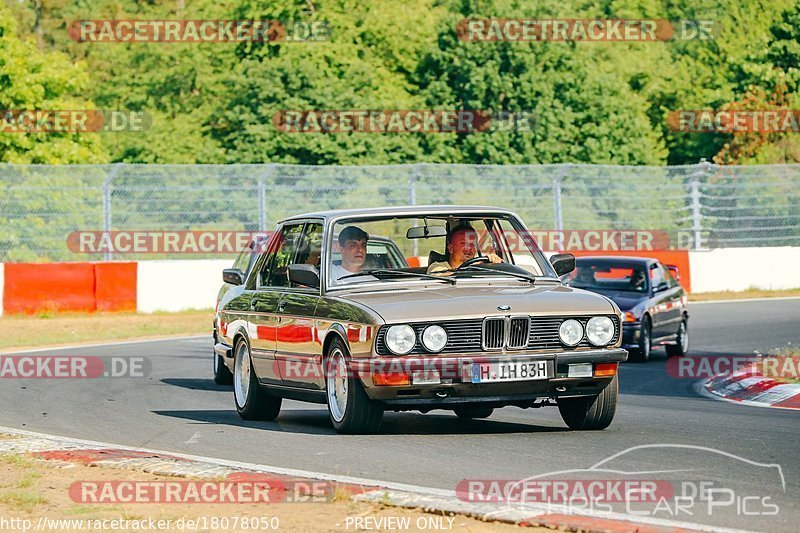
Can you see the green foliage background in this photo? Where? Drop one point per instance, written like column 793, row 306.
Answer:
column 600, row 103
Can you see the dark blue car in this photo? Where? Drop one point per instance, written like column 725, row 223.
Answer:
column 652, row 301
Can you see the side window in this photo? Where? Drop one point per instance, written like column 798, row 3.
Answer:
column 274, row 272
column 656, row 276
column 309, row 251
column 668, row 277
column 243, row 261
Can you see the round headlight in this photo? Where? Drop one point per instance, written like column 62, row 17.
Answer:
column 400, row 339
column 434, row 338
column 600, row 330
column 570, row 332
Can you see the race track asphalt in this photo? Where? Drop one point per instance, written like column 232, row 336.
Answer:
column 179, row 408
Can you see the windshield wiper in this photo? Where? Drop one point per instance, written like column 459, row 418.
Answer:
column 385, row 271
column 519, row 275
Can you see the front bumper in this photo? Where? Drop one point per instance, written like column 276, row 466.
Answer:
column 630, row 335
column 456, row 388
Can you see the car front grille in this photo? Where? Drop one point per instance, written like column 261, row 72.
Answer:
column 494, row 333
column 533, row 333
column 518, row 331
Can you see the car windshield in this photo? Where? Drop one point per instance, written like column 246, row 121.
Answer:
column 447, row 247
column 604, row 275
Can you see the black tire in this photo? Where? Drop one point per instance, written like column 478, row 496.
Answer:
column 681, row 346
column 642, row 353
column 467, row 412
column 252, row 402
column 222, row 375
column 591, row 412
column 349, row 407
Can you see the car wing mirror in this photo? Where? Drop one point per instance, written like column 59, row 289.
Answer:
column 306, row 275
column 234, row 276
column 563, row 263
column 675, row 272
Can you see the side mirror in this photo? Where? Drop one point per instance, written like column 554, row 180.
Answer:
column 563, row 263
column 306, row 275
column 674, row 271
column 234, row 276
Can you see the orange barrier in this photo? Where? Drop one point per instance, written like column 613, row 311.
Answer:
column 413, row 261
column 115, row 286
column 37, row 287
column 678, row 258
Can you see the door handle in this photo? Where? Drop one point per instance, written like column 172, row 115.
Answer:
column 282, row 307
column 253, row 303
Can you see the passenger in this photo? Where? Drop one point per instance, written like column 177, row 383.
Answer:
column 353, row 247
column 461, row 244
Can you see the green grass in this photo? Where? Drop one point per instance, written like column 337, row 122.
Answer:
column 742, row 295
column 47, row 329
column 26, row 501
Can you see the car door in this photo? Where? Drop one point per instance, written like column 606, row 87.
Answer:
column 297, row 350
column 674, row 302
column 263, row 318
column 660, row 301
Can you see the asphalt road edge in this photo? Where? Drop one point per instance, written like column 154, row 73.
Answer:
column 438, row 501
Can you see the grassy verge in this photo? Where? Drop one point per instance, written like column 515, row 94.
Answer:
column 742, row 295
column 21, row 331
column 31, row 490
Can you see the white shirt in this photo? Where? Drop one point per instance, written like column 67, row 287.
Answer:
column 338, row 271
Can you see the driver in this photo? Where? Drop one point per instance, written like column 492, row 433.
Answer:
column 461, row 245
column 638, row 281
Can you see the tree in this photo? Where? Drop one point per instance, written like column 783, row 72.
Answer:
column 34, row 80
column 584, row 110
column 364, row 65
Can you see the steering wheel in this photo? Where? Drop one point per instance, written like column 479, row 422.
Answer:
column 473, row 261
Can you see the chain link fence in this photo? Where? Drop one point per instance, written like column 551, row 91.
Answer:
column 715, row 206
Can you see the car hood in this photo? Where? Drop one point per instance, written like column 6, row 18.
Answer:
column 459, row 302
column 624, row 300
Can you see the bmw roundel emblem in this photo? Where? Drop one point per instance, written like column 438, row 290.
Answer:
column 504, row 308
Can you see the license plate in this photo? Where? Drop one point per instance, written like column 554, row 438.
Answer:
column 508, row 371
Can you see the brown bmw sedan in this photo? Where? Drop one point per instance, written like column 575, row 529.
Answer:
column 472, row 318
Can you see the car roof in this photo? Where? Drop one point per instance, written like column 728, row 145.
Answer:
column 444, row 210
column 626, row 258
